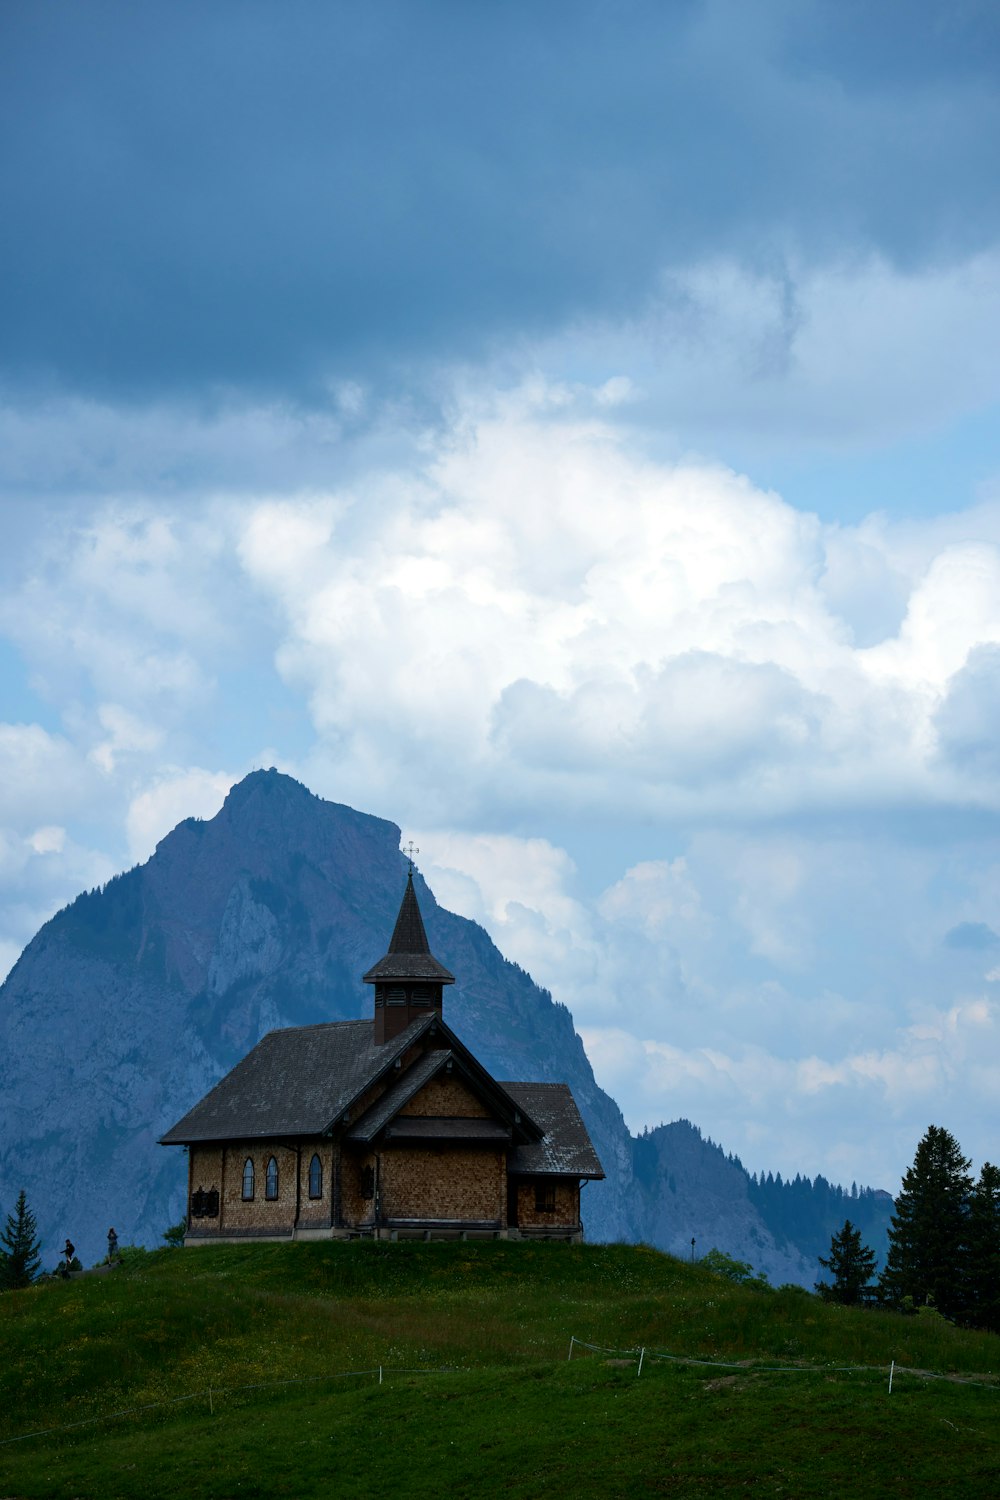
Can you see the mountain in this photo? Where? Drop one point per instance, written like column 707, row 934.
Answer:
column 781, row 1227
column 133, row 1001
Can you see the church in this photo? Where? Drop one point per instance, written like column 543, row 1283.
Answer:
column 387, row 1128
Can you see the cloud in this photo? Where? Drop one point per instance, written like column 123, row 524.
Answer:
column 813, row 1113
column 699, row 719
column 125, row 733
column 654, row 896
column 188, row 792
column 42, row 776
column 974, row 936
column 967, row 721
column 71, row 453
column 792, row 994
column 348, row 417
column 519, row 621
column 954, row 608
column 123, row 600
column 833, row 355
column 520, row 891
column 51, row 840
column 775, row 366
column 257, row 244
column 605, row 631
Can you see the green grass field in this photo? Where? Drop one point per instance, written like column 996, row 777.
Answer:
column 255, row 1371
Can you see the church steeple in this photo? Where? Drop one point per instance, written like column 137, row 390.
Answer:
column 408, row 980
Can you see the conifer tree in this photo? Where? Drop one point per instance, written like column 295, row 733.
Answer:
column 19, row 1248
column 928, row 1235
column 852, row 1264
column 983, row 1278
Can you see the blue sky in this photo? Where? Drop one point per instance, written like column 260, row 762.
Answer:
column 571, row 431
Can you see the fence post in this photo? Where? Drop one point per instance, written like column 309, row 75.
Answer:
column 380, row 1374
column 892, row 1368
column 572, row 1341
column 642, row 1356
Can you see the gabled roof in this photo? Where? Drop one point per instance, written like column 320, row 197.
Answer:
column 409, row 955
column 510, row 1116
column 398, row 1094
column 565, row 1149
column 302, row 1080
column 298, row 1081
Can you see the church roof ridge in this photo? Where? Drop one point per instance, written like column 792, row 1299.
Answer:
column 294, row 1082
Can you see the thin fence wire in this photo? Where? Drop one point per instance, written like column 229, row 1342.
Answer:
column 639, row 1354
column 755, row 1368
column 720, row 1364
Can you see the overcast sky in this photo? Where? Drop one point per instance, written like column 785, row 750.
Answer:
column 572, row 431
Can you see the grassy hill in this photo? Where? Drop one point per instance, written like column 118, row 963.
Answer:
column 255, row 1371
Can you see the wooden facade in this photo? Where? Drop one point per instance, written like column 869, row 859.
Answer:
column 387, row 1128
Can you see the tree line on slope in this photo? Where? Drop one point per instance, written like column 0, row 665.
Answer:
column 804, row 1212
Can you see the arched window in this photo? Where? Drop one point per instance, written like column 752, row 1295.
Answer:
column 315, row 1178
column 271, row 1184
column 248, row 1179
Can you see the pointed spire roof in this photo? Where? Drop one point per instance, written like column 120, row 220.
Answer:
column 408, row 935
column 409, row 955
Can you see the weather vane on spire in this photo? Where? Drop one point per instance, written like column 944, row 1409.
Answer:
column 410, row 851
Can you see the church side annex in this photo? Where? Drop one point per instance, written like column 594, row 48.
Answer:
column 387, row 1128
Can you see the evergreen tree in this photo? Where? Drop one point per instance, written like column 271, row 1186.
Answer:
column 852, row 1264
column 19, row 1248
column 929, row 1230
column 983, row 1281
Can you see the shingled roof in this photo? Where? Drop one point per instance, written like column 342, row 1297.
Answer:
column 384, row 1114
column 565, row 1149
column 409, row 955
column 398, row 1094
column 298, row 1081
column 303, row 1079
